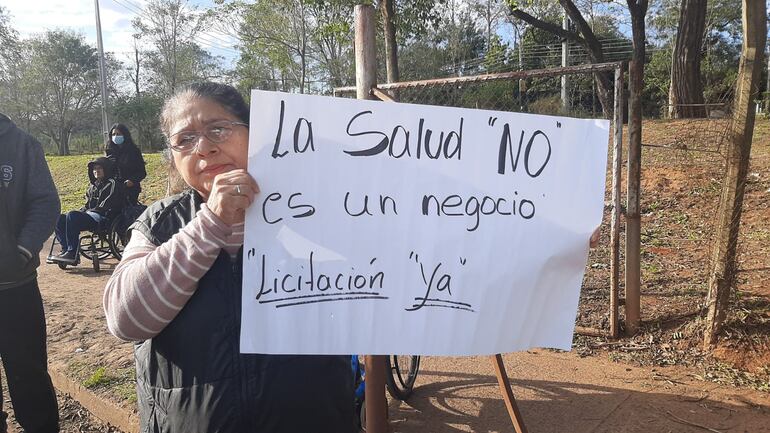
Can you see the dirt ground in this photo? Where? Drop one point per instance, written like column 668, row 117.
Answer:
column 682, row 172
column 661, row 374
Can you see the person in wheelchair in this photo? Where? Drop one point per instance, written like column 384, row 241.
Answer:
column 104, row 200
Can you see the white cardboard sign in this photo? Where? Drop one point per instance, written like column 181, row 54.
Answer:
column 388, row 228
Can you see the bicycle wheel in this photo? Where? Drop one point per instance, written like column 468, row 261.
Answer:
column 403, row 373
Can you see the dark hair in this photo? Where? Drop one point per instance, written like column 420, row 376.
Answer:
column 226, row 96
column 127, row 140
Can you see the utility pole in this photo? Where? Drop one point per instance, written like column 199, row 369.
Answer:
column 564, row 64
column 102, row 75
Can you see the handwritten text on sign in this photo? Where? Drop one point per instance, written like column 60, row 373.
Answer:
column 387, row 228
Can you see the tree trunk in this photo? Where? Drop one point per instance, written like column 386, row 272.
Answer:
column 724, row 266
column 136, row 76
column 391, row 46
column 64, row 144
column 638, row 9
column 686, row 94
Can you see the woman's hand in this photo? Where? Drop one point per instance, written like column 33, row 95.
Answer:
column 231, row 194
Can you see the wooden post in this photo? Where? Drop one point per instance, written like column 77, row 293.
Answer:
column 366, row 51
column 617, row 164
column 366, row 80
column 505, row 390
column 747, row 91
column 638, row 10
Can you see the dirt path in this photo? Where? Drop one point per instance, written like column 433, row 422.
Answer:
column 556, row 392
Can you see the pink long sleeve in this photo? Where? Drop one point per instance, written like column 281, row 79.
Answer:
column 151, row 284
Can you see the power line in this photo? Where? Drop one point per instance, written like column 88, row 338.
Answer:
column 204, row 39
column 210, row 37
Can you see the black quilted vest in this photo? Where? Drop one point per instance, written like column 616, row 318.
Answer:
column 192, row 378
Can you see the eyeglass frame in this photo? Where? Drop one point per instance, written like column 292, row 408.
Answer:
column 199, row 134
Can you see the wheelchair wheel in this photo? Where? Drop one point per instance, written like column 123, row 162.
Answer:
column 94, row 245
column 402, row 375
column 118, row 237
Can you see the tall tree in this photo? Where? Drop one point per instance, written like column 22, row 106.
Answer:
column 638, row 11
column 331, row 39
column 63, row 82
column 9, row 38
column 388, row 11
column 134, row 72
column 686, row 92
column 489, row 13
column 279, row 31
column 12, row 64
column 170, row 26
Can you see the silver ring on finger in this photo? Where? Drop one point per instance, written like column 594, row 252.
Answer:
column 238, row 189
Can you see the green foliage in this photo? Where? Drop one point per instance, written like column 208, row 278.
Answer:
column 496, row 55
column 9, row 38
column 455, row 48
column 415, row 18
column 294, row 45
column 141, row 115
column 62, row 81
column 98, row 378
column 720, row 52
column 175, row 58
column 657, row 81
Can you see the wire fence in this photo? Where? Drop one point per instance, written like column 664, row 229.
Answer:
column 529, row 91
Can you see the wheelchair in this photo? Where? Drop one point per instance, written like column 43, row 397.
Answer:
column 108, row 240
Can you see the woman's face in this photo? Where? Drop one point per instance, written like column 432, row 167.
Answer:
column 116, row 136
column 199, row 166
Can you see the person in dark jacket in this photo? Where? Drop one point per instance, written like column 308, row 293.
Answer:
column 104, row 200
column 29, row 204
column 177, row 294
column 129, row 162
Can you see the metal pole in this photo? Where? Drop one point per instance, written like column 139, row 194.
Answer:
column 366, row 79
column 564, row 64
column 102, row 74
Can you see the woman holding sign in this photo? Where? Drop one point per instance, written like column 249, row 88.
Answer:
column 177, row 294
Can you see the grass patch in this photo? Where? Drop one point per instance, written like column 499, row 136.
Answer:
column 120, row 383
column 98, row 378
column 126, row 391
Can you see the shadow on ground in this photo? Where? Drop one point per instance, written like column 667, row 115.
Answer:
column 458, row 402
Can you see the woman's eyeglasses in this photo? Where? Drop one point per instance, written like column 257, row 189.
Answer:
column 217, row 132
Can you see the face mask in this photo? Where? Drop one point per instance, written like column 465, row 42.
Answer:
column 118, row 139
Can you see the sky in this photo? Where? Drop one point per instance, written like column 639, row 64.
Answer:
column 29, row 17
